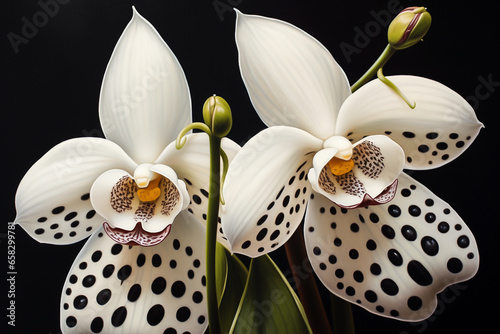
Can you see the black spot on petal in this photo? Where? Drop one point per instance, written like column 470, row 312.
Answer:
column 103, row 296
column 419, row 273
column 178, row 289
column 134, row 292
column 183, row 314
column 409, row 233
column 415, row 303
column 389, row 287
column 388, row 232
column 395, row 257
column 409, row 134
column 454, row 265
column 58, row 210
column 124, row 272
column 430, row 245
column 97, row 325
column 155, row 315
column 71, row 321
column 158, row 285
column 119, row 316
column 141, row 259
column 80, row 302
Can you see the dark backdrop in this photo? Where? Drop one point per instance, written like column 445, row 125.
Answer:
column 50, row 89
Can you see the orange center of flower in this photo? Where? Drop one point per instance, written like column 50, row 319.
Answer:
column 151, row 192
column 339, row 166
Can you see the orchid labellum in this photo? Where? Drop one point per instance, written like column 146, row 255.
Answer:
column 374, row 235
column 143, row 268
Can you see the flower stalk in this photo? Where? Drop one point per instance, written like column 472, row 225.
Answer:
column 342, row 319
column 407, row 29
column 306, row 284
column 384, row 57
column 217, row 124
column 211, row 237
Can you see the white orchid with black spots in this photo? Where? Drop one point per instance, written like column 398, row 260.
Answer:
column 143, row 268
column 374, row 236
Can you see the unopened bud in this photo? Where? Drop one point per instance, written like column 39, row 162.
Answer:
column 217, row 115
column 408, row 27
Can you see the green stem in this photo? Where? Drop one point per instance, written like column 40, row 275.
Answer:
column 381, row 61
column 225, row 166
column 211, row 237
column 306, row 283
column 181, row 139
column 343, row 322
column 391, row 85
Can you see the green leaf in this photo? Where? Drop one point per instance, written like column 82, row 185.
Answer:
column 269, row 305
column 231, row 276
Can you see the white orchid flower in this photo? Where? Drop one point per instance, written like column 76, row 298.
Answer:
column 135, row 186
column 339, row 154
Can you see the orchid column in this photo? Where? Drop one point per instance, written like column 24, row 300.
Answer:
column 218, row 121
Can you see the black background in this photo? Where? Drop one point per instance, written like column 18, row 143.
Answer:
column 50, row 90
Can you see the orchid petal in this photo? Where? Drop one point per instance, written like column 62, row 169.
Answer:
column 145, row 98
column 391, row 259
column 52, row 200
column 378, row 161
column 291, row 78
column 266, row 189
column 113, row 288
column 437, row 131
column 192, row 165
column 114, row 196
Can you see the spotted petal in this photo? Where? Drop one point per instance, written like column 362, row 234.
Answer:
column 114, row 196
column 144, row 100
column 378, row 161
column 391, row 259
column 291, row 78
column 113, row 288
column 52, row 200
column 192, row 165
column 437, row 131
column 267, row 188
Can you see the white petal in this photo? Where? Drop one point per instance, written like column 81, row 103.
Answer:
column 291, row 78
column 145, row 100
column 437, row 131
column 392, row 259
column 378, row 162
column 113, row 288
column 192, row 165
column 266, row 189
column 52, row 200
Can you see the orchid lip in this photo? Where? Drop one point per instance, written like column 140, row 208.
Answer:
column 136, row 237
column 383, row 198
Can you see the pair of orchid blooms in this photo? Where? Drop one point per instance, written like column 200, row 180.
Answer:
column 374, row 236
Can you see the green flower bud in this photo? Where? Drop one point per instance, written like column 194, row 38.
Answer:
column 409, row 27
column 217, row 115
